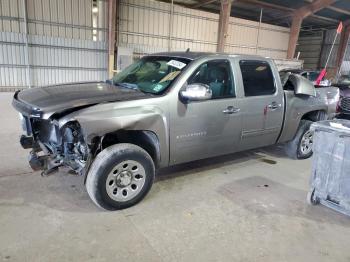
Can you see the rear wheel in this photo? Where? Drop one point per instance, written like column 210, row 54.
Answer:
column 301, row 146
column 120, row 176
column 305, row 145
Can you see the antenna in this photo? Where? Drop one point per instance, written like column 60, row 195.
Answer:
column 187, row 50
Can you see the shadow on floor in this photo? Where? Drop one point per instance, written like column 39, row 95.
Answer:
column 262, row 155
column 65, row 192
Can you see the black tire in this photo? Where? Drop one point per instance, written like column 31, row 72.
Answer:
column 103, row 165
column 293, row 147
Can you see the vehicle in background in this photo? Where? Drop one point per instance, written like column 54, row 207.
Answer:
column 343, row 84
column 311, row 75
column 166, row 109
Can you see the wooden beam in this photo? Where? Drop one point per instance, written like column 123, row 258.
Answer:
column 294, row 35
column 203, row 3
column 112, row 18
column 225, row 11
column 313, row 7
column 298, row 16
column 289, row 11
column 267, row 5
column 325, row 18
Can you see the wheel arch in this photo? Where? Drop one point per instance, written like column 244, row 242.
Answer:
column 147, row 140
column 315, row 115
column 291, row 126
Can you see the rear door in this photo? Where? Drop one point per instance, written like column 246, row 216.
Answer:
column 262, row 105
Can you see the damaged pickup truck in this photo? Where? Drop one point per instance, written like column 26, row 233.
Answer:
column 165, row 109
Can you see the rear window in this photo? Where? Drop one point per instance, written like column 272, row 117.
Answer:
column 257, row 77
column 313, row 76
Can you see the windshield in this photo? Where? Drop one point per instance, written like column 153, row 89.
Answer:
column 151, row 74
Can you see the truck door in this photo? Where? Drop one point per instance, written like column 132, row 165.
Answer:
column 200, row 129
column 262, row 107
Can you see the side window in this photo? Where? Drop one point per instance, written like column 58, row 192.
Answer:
column 217, row 75
column 313, row 76
column 257, row 77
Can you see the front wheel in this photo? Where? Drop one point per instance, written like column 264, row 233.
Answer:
column 120, row 176
column 301, row 146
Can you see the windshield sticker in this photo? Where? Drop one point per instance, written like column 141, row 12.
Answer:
column 157, row 87
column 169, row 77
column 176, row 64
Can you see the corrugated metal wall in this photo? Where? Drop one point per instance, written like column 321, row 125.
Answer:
column 345, row 67
column 243, row 38
column 310, row 46
column 327, row 44
column 328, row 40
column 59, row 45
column 144, row 26
column 315, row 47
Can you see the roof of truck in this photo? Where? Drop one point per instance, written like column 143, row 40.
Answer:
column 188, row 55
column 196, row 55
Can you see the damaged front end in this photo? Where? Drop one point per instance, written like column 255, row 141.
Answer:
column 53, row 147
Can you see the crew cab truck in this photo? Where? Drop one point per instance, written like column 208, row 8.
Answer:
column 165, row 109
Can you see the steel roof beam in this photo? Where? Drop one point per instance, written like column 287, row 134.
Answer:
column 112, row 14
column 313, row 7
column 298, row 16
column 202, row 3
column 338, row 10
column 224, row 18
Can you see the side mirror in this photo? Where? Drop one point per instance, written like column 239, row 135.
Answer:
column 196, row 92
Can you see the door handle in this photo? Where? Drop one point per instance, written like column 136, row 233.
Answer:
column 231, row 110
column 274, row 106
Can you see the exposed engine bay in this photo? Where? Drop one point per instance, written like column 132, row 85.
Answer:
column 53, row 147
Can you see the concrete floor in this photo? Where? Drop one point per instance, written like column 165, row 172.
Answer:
column 244, row 207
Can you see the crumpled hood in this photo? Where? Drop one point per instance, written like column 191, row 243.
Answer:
column 58, row 98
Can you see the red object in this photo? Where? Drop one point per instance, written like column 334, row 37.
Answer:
column 321, row 76
column 340, row 28
column 337, row 110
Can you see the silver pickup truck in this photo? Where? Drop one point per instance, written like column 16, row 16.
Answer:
column 165, row 109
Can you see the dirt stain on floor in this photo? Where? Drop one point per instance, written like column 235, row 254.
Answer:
column 268, row 161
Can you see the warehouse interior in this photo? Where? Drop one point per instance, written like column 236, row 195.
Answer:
column 51, row 42
column 250, row 205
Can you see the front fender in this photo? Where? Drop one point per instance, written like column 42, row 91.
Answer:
column 106, row 118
